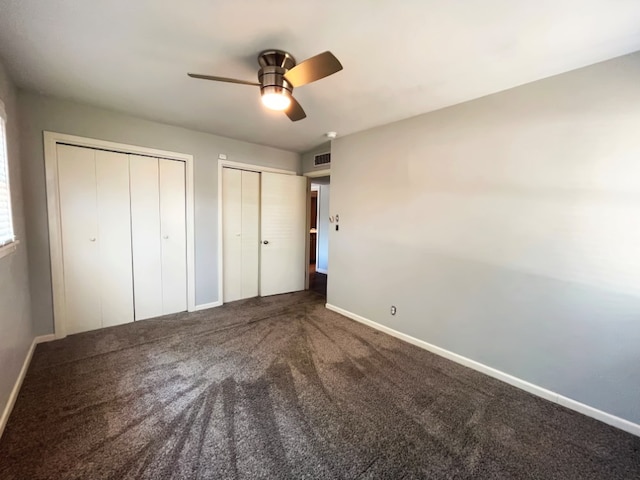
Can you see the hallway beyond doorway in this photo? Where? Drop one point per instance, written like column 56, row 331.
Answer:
column 317, row 281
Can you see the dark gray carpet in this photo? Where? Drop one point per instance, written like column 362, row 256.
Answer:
column 282, row 388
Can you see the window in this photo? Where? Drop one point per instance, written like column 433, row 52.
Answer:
column 6, row 221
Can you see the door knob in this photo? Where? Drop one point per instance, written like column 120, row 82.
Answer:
column 92, row 239
column 266, row 242
column 165, row 236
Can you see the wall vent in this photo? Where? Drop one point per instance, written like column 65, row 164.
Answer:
column 322, row 159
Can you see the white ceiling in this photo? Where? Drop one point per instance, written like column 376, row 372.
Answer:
column 401, row 58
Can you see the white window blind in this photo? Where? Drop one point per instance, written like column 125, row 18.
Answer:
column 6, row 222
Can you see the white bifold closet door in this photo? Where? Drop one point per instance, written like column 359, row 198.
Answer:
column 240, row 227
column 158, row 219
column 283, row 231
column 96, row 237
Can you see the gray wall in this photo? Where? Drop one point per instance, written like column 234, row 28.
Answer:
column 15, row 319
column 40, row 113
column 307, row 158
column 507, row 230
column 322, row 262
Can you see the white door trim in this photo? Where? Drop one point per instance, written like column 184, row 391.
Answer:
column 325, row 172
column 51, row 139
column 318, row 173
column 223, row 162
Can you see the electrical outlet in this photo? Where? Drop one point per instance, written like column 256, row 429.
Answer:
column 393, row 309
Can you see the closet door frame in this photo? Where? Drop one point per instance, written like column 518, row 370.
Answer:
column 51, row 140
column 223, row 162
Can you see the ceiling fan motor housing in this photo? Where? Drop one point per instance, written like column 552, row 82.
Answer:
column 273, row 66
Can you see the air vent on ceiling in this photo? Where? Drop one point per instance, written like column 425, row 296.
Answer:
column 322, row 159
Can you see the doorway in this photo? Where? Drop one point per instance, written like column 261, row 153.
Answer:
column 319, row 234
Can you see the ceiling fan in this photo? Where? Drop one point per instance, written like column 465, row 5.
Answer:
column 279, row 74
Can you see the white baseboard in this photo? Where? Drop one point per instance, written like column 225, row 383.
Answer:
column 45, row 338
column 16, row 387
column 322, row 270
column 206, row 306
column 604, row 417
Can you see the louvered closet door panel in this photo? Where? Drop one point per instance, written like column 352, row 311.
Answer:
column 174, row 235
column 145, row 236
column 283, row 224
column 114, row 237
column 250, row 233
column 232, row 233
column 79, row 222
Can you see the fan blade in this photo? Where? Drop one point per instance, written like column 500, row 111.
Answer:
column 295, row 111
column 223, row 79
column 313, row 69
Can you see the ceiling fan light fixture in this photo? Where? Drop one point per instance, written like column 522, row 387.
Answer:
column 276, row 101
column 276, row 98
column 276, row 88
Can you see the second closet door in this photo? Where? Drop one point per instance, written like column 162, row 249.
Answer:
column 240, row 227
column 250, row 233
column 283, row 218
column 158, row 218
